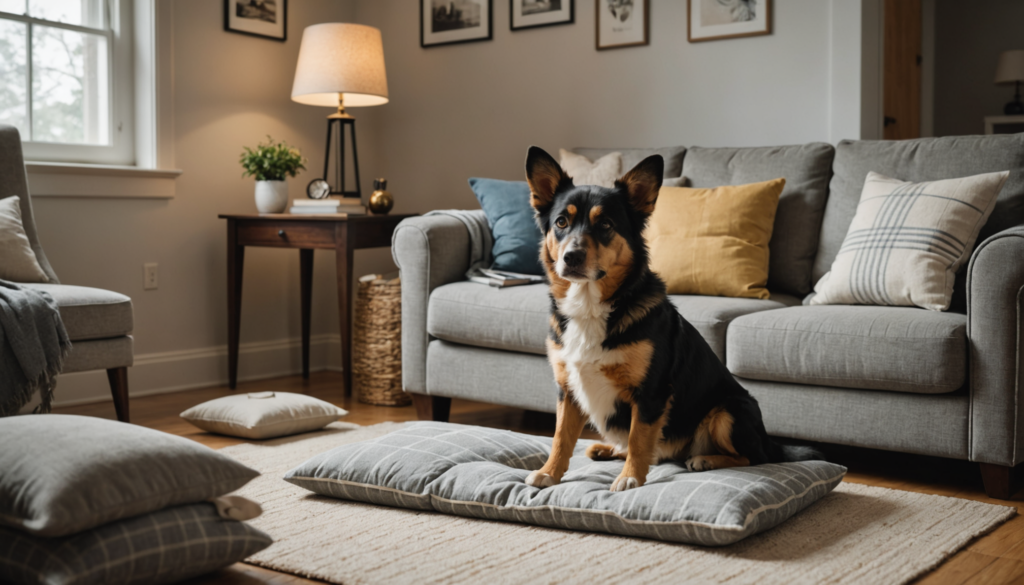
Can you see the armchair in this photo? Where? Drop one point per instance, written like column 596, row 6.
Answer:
column 98, row 321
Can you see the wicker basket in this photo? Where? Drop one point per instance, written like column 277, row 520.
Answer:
column 377, row 342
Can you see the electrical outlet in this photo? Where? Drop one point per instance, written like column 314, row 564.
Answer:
column 150, row 276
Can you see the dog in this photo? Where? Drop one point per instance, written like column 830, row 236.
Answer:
column 623, row 358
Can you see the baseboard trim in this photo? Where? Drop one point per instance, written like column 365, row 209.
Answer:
column 173, row 371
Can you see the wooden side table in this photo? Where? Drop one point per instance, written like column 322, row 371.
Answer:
column 340, row 233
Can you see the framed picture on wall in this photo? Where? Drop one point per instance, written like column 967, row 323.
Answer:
column 447, row 22
column 259, row 18
column 622, row 23
column 710, row 20
column 534, row 13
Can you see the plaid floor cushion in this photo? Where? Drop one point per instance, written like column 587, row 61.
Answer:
column 160, row 547
column 480, row 472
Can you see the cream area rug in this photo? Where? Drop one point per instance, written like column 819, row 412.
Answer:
column 856, row 534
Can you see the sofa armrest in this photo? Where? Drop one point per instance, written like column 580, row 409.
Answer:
column 995, row 285
column 430, row 251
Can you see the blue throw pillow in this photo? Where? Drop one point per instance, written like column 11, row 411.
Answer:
column 516, row 236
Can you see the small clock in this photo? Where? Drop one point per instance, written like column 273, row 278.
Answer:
column 318, row 189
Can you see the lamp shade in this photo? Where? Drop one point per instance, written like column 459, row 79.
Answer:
column 340, row 58
column 1011, row 67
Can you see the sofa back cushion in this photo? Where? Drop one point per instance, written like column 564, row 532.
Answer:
column 807, row 169
column 673, row 156
column 924, row 159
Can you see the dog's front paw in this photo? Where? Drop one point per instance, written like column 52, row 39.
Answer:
column 626, row 482
column 539, row 479
column 698, row 463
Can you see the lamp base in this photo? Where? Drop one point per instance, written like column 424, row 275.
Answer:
column 336, row 125
column 1015, row 108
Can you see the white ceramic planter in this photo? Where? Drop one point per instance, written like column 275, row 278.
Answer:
column 271, row 196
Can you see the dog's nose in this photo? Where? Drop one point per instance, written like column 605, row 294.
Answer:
column 574, row 258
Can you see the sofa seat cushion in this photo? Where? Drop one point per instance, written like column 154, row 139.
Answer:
column 711, row 316
column 901, row 349
column 513, row 318
column 516, row 318
column 90, row 313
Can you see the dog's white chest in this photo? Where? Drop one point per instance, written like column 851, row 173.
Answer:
column 584, row 355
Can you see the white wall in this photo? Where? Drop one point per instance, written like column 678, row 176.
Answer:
column 230, row 90
column 455, row 112
column 472, row 110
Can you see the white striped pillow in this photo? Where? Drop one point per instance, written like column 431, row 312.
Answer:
column 907, row 241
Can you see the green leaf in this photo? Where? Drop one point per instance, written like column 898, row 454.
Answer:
column 271, row 161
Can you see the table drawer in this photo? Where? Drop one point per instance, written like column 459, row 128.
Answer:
column 286, row 234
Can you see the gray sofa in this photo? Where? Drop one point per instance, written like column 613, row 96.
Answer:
column 898, row 378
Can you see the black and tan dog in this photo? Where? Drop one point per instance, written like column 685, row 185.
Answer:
column 623, row 357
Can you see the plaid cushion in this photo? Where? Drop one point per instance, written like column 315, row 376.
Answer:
column 908, row 240
column 160, row 547
column 480, row 472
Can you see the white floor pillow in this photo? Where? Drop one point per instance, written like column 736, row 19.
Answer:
column 263, row 415
column 908, row 240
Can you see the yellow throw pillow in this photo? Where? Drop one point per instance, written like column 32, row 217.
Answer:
column 714, row 242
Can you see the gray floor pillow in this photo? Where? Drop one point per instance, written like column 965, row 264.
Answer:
column 62, row 474
column 161, row 547
column 480, row 472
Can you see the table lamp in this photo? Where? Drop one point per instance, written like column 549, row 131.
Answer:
column 340, row 65
column 1011, row 70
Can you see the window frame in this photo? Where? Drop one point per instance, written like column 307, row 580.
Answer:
column 121, row 89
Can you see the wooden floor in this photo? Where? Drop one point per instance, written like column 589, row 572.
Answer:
column 995, row 558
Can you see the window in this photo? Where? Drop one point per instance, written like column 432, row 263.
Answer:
column 65, row 78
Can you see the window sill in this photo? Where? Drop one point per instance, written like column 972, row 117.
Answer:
column 48, row 179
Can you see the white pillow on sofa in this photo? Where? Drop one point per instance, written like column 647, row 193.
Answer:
column 907, row 241
column 602, row 172
column 18, row 262
column 263, row 415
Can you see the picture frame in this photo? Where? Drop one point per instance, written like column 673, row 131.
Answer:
column 525, row 14
column 622, row 23
column 453, row 22
column 267, row 19
column 713, row 20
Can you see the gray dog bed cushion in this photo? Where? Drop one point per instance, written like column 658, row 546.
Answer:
column 480, row 472
column 165, row 546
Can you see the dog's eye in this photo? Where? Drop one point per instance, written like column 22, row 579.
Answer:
column 561, row 222
column 605, row 224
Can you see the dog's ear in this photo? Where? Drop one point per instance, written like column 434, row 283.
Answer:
column 643, row 182
column 545, row 177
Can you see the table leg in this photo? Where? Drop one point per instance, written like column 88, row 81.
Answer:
column 343, row 251
column 306, row 287
column 236, row 258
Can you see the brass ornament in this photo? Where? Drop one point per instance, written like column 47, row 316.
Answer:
column 381, row 200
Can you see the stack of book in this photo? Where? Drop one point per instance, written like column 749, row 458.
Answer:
column 329, row 205
column 502, row 278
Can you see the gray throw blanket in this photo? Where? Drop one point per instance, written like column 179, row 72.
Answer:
column 33, row 345
column 480, row 239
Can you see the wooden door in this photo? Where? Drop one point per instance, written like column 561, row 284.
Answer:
column 902, row 77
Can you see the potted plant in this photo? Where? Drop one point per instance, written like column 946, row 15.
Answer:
column 271, row 163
